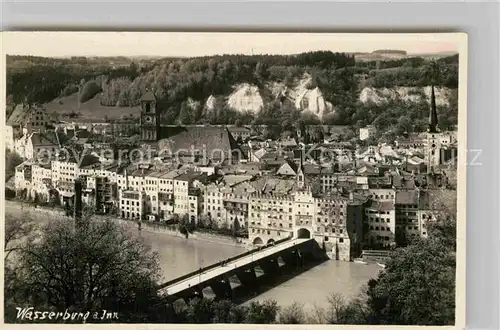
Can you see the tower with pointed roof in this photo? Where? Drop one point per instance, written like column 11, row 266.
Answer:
column 300, row 171
column 433, row 138
column 150, row 118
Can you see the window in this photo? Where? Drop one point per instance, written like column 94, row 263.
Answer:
column 341, row 240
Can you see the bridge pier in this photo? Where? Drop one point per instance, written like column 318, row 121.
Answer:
column 247, row 277
column 222, row 288
column 191, row 293
column 270, row 266
column 291, row 259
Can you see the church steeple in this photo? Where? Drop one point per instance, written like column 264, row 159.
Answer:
column 300, row 170
column 433, row 118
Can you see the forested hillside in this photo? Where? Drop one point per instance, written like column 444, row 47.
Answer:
column 196, row 90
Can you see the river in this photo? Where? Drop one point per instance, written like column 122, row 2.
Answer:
column 179, row 256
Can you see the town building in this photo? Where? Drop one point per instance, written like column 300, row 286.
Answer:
column 381, row 223
column 131, row 204
column 23, row 121
column 38, row 145
column 366, row 132
column 335, row 221
column 240, row 133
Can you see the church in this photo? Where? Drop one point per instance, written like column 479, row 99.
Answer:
column 190, row 144
column 440, row 146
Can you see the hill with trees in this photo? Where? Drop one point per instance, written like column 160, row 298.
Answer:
column 285, row 87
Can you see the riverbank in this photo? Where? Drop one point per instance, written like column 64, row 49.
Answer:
column 17, row 207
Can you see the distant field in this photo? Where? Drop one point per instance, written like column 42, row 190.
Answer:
column 92, row 109
column 388, row 57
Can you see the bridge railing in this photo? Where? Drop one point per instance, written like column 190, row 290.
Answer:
column 217, row 264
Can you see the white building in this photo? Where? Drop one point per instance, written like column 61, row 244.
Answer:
column 366, row 132
column 334, row 221
column 24, row 121
column 131, row 203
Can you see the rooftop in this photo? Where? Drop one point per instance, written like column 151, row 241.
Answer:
column 407, row 197
column 381, row 206
column 148, row 97
column 211, row 141
column 232, row 180
column 189, row 176
column 17, row 116
column 48, row 138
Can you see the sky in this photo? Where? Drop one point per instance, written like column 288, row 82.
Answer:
column 186, row 44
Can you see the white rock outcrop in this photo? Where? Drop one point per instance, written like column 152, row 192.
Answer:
column 305, row 99
column 246, row 97
column 407, row 94
column 313, row 101
column 210, row 103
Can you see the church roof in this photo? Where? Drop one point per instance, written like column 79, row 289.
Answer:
column 148, row 96
column 211, row 140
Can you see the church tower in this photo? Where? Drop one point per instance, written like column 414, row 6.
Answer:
column 150, row 118
column 300, row 171
column 433, row 138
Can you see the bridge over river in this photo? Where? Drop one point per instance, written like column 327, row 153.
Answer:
column 245, row 270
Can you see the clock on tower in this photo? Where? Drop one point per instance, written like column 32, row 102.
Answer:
column 149, row 118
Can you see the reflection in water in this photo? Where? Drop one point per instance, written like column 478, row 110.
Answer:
column 179, row 256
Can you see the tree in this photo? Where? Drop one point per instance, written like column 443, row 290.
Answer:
column 431, row 73
column 12, row 159
column 16, row 229
column 262, row 313
column 316, row 187
column 88, row 91
column 356, row 311
column 336, row 305
column 227, row 312
column 293, row 314
column 185, row 114
column 200, row 311
column 260, row 71
column 417, row 286
column 192, row 224
column 236, row 226
column 36, row 198
column 94, row 266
